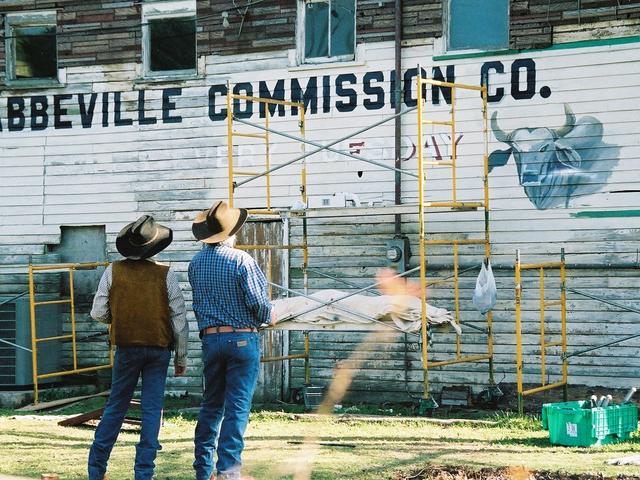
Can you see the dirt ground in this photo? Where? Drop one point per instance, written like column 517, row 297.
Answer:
column 464, row 473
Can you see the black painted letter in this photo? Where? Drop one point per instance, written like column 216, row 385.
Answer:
column 86, row 114
column 530, row 91
column 15, row 113
column 369, row 90
column 105, row 109
column 59, row 112
column 39, row 106
column 278, row 94
column 309, row 96
column 118, row 121
column 168, row 105
column 215, row 90
column 446, row 91
column 244, row 88
column 409, row 82
column 349, row 93
column 142, row 120
column 497, row 67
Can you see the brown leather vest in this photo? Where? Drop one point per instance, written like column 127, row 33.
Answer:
column 139, row 304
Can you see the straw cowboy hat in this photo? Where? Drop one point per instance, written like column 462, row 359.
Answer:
column 143, row 238
column 218, row 223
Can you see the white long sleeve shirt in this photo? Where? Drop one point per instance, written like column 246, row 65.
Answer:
column 177, row 310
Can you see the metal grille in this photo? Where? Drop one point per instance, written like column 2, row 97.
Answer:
column 7, row 352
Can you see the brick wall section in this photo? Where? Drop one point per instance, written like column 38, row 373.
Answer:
column 109, row 31
column 420, row 19
column 532, row 21
column 91, row 32
column 269, row 25
column 272, row 24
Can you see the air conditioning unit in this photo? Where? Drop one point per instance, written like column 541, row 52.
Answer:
column 15, row 327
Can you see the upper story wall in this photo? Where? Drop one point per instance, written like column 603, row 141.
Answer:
column 92, row 33
column 110, row 32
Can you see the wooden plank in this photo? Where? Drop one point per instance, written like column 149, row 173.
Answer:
column 82, row 418
column 57, row 403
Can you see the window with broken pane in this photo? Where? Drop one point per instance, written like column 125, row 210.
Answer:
column 329, row 29
column 35, row 52
column 31, row 51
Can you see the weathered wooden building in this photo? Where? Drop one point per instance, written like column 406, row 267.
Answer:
column 111, row 109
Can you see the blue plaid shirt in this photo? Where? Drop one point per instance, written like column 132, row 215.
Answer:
column 228, row 288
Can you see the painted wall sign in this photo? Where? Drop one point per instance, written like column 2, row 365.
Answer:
column 555, row 165
column 320, row 94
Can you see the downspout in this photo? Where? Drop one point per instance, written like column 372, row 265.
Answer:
column 398, row 107
column 398, row 157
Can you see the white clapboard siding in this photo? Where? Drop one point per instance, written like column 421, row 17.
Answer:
column 110, row 175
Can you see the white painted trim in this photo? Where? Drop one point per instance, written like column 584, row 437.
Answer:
column 45, row 18
column 166, row 10
column 360, row 54
column 300, row 38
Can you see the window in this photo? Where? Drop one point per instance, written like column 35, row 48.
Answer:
column 478, row 24
column 327, row 30
column 31, row 52
column 169, row 38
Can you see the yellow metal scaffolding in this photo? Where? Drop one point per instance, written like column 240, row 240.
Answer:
column 35, row 341
column 453, row 204
column 269, row 168
column 544, row 345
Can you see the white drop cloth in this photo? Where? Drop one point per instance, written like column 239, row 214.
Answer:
column 403, row 311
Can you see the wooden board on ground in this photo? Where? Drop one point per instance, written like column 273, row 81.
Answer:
column 95, row 415
column 58, row 403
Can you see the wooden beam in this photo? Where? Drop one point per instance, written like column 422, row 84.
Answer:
column 59, row 403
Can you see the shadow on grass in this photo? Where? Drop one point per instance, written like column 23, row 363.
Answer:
column 32, row 439
column 545, row 443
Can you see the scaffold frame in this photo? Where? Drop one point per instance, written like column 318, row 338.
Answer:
column 420, row 208
column 455, row 243
column 33, row 303
column 562, row 303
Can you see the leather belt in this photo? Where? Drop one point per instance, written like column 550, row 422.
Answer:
column 227, row 329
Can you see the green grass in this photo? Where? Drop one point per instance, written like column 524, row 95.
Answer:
column 33, row 444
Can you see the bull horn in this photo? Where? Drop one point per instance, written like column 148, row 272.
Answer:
column 569, row 123
column 500, row 134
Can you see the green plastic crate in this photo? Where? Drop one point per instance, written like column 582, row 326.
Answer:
column 576, row 424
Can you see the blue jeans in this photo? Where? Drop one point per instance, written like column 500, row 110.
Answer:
column 231, row 365
column 129, row 364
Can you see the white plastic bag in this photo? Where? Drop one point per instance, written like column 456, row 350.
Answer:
column 485, row 294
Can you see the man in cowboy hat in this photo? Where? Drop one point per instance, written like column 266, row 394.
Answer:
column 143, row 303
column 230, row 302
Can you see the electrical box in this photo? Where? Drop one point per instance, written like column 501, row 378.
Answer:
column 337, row 199
column 398, row 253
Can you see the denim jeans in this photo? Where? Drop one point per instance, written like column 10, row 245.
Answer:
column 129, row 364
column 231, row 364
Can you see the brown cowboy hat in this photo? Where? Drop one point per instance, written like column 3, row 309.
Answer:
column 143, row 238
column 218, row 223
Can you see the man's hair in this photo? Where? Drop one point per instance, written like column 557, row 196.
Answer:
column 229, row 242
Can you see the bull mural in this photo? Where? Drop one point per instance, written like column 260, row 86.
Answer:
column 555, row 165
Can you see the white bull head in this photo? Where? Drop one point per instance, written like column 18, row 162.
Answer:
column 553, row 163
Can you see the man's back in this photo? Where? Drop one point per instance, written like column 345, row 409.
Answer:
column 228, row 288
